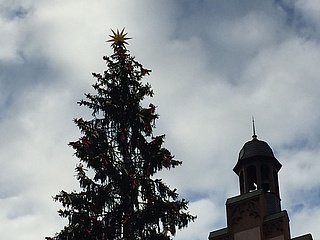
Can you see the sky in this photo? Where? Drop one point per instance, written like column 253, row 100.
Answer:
column 215, row 64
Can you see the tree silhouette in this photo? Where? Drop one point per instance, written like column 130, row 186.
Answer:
column 118, row 157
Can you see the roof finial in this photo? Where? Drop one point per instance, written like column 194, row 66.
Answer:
column 254, row 136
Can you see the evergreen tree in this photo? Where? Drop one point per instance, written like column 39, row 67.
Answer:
column 118, row 157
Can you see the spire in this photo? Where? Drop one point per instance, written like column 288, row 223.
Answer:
column 254, row 136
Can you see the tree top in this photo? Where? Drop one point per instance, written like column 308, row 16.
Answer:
column 118, row 38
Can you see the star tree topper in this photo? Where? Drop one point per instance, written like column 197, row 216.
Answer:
column 118, row 38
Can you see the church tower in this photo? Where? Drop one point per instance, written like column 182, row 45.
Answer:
column 256, row 213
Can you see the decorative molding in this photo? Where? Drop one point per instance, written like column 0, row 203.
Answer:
column 248, row 208
column 269, row 227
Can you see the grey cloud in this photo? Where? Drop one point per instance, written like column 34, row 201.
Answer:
column 11, row 11
column 215, row 64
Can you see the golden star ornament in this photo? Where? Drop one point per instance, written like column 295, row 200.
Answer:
column 118, row 38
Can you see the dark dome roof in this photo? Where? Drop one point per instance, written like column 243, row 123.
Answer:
column 256, row 150
column 255, row 147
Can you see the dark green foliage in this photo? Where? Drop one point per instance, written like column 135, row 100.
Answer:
column 121, row 200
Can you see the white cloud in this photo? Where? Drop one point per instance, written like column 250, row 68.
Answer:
column 207, row 213
column 215, row 64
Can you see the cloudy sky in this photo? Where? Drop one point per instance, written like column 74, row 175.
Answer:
column 215, row 65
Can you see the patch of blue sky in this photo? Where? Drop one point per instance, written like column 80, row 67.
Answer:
column 193, row 13
column 307, row 198
column 293, row 15
column 297, row 208
column 27, row 72
column 196, row 196
column 300, row 143
column 296, row 19
column 13, row 12
column 17, row 78
column 20, row 12
column 297, row 144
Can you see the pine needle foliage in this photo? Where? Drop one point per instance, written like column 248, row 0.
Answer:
column 121, row 199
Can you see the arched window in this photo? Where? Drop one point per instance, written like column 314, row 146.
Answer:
column 276, row 183
column 252, row 178
column 265, row 177
column 241, row 178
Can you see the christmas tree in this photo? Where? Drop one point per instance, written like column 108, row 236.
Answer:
column 118, row 157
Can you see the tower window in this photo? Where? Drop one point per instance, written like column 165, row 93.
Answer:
column 265, row 177
column 276, row 183
column 252, row 178
column 242, row 187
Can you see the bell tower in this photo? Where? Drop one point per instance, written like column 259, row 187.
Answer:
column 257, row 167
column 256, row 213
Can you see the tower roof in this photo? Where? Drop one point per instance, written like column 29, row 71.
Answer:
column 255, row 147
column 256, row 150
